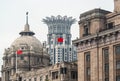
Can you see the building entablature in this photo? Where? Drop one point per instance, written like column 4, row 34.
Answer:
column 93, row 14
column 98, row 39
column 91, row 17
column 112, row 15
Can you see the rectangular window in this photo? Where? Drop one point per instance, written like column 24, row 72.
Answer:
column 106, row 79
column 118, row 78
column 87, row 65
column 73, row 74
column 65, row 58
column 88, row 71
column 55, row 75
column 70, row 49
column 110, row 25
column 106, row 52
column 51, row 42
column 41, row 78
column 46, row 77
column 117, row 49
column 118, row 65
column 86, row 30
column 88, row 58
column 35, row 79
column 87, row 54
column 51, row 50
column 107, row 67
column 63, row 70
column 20, row 79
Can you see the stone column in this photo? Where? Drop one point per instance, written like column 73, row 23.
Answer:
column 112, row 70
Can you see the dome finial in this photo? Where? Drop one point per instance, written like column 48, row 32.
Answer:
column 26, row 17
column 26, row 30
column 26, row 25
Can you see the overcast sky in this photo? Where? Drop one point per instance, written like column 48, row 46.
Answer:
column 12, row 16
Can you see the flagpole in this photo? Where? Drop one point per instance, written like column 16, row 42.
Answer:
column 16, row 62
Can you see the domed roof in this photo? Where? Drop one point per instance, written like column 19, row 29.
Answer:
column 33, row 54
column 28, row 40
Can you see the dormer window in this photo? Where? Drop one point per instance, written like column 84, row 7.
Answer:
column 86, row 30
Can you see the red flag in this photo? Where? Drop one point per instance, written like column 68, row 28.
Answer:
column 19, row 52
column 60, row 39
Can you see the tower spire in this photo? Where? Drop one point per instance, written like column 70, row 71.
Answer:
column 26, row 25
column 26, row 17
column 26, row 30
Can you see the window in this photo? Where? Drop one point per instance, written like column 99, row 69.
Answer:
column 73, row 74
column 107, row 67
column 55, row 75
column 51, row 50
column 65, row 42
column 38, row 59
column 51, row 42
column 88, row 71
column 106, row 62
column 86, row 30
column 22, row 48
column 68, row 40
column 106, row 79
column 20, row 79
column 118, row 78
column 87, row 57
column 63, row 70
column 106, row 52
column 35, row 79
column 87, row 54
column 65, row 58
column 70, row 49
column 46, row 77
column 22, row 58
column 118, row 65
column 110, row 25
column 117, row 49
column 54, row 28
column 41, row 78
column 65, row 50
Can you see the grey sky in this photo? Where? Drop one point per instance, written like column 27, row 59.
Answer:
column 12, row 16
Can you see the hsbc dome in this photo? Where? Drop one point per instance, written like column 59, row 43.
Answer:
column 34, row 55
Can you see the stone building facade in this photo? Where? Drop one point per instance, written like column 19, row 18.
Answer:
column 98, row 46
column 33, row 63
column 59, row 72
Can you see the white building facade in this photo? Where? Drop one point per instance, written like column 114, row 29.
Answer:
column 59, row 39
